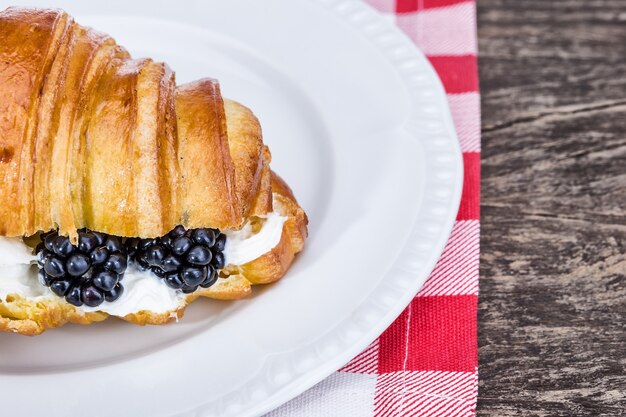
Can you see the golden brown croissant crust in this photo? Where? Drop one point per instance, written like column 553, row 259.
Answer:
column 92, row 138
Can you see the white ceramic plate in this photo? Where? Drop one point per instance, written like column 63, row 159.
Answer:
column 359, row 126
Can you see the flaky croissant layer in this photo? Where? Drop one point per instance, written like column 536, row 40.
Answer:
column 92, row 138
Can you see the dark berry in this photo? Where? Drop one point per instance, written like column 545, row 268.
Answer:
column 88, row 273
column 114, row 294
column 105, row 280
column 188, row 289
column 54, row 267
column 99, row 256
column 49, row 241
column 114, row 244
column 92, row 296
column 155, row 254
column 218, row 261
column 132, row 245
column 203, row 237
column 101, row 237
column 181, row 245
column 60, row 287
column 77, row 264
column 183, row 258
column 193, row 276
column 170, row 263
column 87, row 242
column 157, row 271
column 220, row 242
column 42, row 257
column 210, row 279
column 116, row 263
column 178, row 231
column 44, row 279
column 141, row 261
column 174, row 281
column 62, row 246
column 73, row 296
column 166, row 241
column 144, row 243
column 199, row 255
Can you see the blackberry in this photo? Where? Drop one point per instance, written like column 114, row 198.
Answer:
column 181, row 246
column 114, row 294
column 91, row 296
column 184, row 259
column 88, row 273
column 60, row 287
column 199, row 255
column 105, row 280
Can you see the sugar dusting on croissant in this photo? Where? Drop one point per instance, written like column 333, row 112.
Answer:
column 91, row 138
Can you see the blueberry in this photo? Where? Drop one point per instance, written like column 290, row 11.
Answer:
column 44, row 279
column 101, row 237
column 178, row 231
column 114, row 294
column 105, row 280
column 73, row 296
column 181, row 245
column 49, row 241
column 203, row 237
column 116, row 263
column 87, row 242
column 174, row 281
column 99, row 256
column 40, row 247
column 92, row 296
column 60, row 287
column 170, row 263
column 188, row 289
column 62, row 246
column 157, row 271
column 155, row 254
column 218, row 261
column 210, row 279
column 114, row 244
column 54, row 267
column 199, row 255
column 77, row 264
column 193, row 276
column 220, row 242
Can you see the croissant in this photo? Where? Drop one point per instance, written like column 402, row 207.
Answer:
column 122, row 193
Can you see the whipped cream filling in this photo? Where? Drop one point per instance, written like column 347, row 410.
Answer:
column 243, row 246
column 13, row 252
column 142, row 290
column 19, row 274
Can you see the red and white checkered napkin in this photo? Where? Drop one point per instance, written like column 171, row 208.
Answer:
column 425, row 363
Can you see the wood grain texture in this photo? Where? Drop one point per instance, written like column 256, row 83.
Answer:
column 552, row 309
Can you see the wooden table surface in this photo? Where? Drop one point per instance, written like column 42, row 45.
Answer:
column 552, row 309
